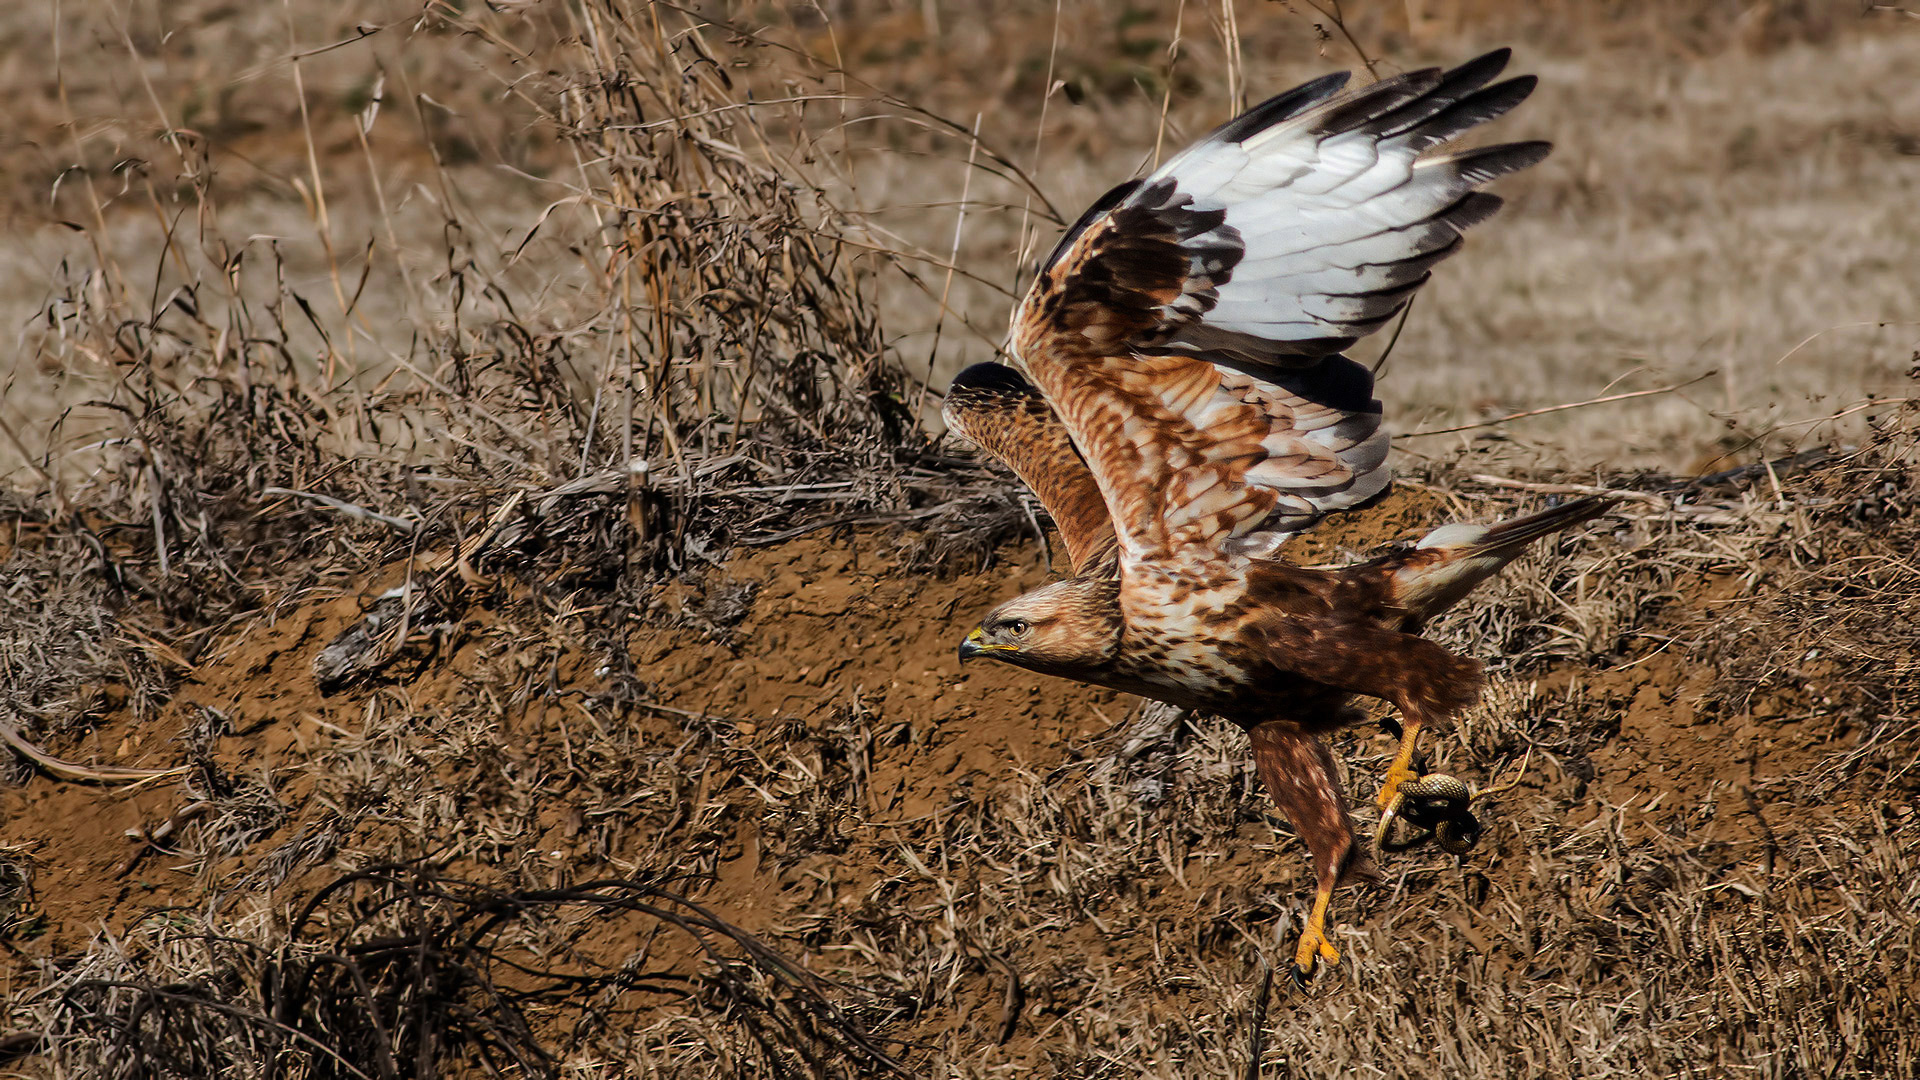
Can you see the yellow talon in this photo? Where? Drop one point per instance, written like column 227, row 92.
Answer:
column 1313, row 941
column 1314, row 944
column 1402, row 768
column 1390, row 788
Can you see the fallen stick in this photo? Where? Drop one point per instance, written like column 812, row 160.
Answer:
column 1560, row 408
column 68, row 770
column 1570, row 489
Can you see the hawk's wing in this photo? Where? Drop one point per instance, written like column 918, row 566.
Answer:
column 1187, row 329
column 1003, row 414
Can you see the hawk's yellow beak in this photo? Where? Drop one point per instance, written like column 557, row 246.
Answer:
column 976, row 644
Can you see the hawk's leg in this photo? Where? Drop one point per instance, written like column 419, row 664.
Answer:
column 1299, row 773
column 1431, row 806
column 1434, row 805
column 1432, row 683
column 1401, row 770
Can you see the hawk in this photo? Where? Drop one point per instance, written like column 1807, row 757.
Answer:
column 1185, row 409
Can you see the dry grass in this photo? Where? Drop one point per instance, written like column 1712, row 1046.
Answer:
column 669, row 771
column 1730, row 194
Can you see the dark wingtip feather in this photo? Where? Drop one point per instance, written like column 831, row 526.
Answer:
column 1479, row 166
column 1473, row 208
column 1368, row 105
column 1280, row 107
column 1480, row 70
column 991, row 378
column 1519, row 88
column 1494, row 101
column 1441, row 124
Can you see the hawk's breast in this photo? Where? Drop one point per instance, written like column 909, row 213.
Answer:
column 1186, row 629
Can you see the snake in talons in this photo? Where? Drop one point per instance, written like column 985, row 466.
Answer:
column 1436, row 807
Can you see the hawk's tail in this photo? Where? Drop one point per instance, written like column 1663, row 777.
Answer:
column 1452, row 560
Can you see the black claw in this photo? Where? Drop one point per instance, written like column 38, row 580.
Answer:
column 1302, row 977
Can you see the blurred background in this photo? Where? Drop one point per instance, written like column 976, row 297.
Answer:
column 1729, row 209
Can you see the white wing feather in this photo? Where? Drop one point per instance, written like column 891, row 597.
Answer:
column 1299, row 226
column 1332, row 205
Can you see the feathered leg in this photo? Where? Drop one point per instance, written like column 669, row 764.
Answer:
column 1433, row 684
column 1299, row 773
column 1401, row 770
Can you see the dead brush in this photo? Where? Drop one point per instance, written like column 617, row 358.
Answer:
column 727, row 343
column 742, row 344
column 745, row 324
column 1053, row 910
column 400, row 970
column 226, row 463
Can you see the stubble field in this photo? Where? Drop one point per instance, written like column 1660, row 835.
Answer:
column 479, row 568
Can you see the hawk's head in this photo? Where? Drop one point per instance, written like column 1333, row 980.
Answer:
column 1063, row 628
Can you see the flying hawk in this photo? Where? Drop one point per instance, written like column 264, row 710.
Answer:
column 1189, row 411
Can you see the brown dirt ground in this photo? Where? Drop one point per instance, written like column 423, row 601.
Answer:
column 792, row 637
column 830, row 620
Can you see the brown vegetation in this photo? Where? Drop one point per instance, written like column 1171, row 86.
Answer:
column 478, row 469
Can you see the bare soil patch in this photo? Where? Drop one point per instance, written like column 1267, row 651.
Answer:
column 789, row 738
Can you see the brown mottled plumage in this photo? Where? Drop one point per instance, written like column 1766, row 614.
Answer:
column 1188, row 412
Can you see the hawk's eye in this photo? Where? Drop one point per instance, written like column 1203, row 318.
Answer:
column 1018, row 626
